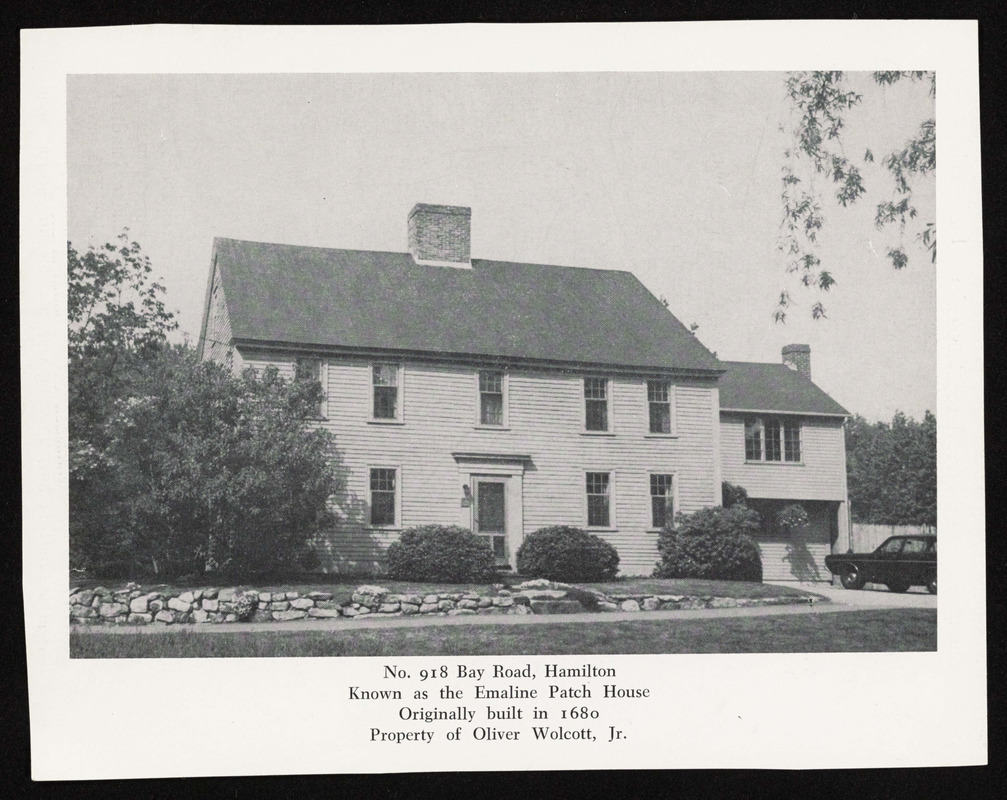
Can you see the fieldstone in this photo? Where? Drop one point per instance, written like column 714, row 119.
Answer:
column 409, row 608
column 350, row 611
column 369, row 595
column 225, row 606
column 262, row 615
column 135, row 593
column 200, row 616
column 485, row 602
column 73, row 591
column 468, row 603
column 164, row 616
column 503, row 602
column 138, row 605
column 226, row 594
column 606, row 606
column 83, row 598
column 187, row 597
column 552, row 606
column 537, row 583
column 470, row 596
column 302, row 603
column 263, row 606
column 521, row 600
column 412, row 599
column 458, row 612
column 82, row 612
column 388, row 608
column 651, row 604
column 629, row 605
column 446, row 605
column 516, row 609
column 183, row 617
column 279, row 605
column 230, row 617
column 210, row 594
column 217, row 616
column 155, row 605
column 320, row 595
column 197, row 595
column 323, row 613
column 504, row 592
column 96, row 601
column 178, row 604
column 100, row 590
column 131, row 585
column 267, row 597
column 723, row 602
column 286, row 616
column 426, row 608
column 139, row 619
column 671, row 598
column 362, row 611
column 430, row 598
column 543, row 594
column 209, row 604
column 110, row 610
column 327, row 604
column 671, row 605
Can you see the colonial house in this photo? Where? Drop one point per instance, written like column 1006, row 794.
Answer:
column 505, row 397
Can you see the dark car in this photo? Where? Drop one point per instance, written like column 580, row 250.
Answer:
column 900, row 562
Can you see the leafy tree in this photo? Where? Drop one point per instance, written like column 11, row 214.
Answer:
column 178, row 466
column 892, row 470
column 821, row 102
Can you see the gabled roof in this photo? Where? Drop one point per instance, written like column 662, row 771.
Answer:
column 364, row 300
column 746, row 386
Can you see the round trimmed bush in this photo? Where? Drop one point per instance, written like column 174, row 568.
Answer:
column 565, row 553
column 714, row 543
column 441, row 553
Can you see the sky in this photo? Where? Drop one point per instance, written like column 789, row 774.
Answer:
column 674, row 177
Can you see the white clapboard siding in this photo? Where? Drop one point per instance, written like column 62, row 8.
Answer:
column 218, row 327
column 545, row 411
column 799, row 556
column 820, row 476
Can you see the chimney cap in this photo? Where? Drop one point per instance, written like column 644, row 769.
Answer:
column 462, row 211
column 796, row 348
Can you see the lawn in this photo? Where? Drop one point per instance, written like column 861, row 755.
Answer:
column 343, row 587
column 841, row 631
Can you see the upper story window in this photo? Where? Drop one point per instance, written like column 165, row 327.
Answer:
column 310, row 369
column 386, row 386
column 491, row 398
column 596, row 404
column 660, row 406
column 772, row 439
column 599, row 511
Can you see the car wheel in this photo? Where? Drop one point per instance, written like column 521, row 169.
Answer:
column 898, row 586
column 932, row 584
column 852, row 578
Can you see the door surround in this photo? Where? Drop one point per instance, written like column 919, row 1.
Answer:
column 502, row 467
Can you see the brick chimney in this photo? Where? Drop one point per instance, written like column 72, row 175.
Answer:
column 798, row 357
column 440, row 235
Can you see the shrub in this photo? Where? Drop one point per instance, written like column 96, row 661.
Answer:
column 440, row 553
column 733, row 495
column 714, row 543
column 565, row 553
column 792, row 518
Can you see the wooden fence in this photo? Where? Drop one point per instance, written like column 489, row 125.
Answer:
column 865, row 537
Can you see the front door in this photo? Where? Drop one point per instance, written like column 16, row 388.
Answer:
column 491, row 515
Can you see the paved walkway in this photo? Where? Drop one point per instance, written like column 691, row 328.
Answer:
column 838, row 600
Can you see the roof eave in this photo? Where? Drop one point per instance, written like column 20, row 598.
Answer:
column 841, row 415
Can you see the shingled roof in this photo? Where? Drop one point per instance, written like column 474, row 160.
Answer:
column 365, row 300
column 746, row 386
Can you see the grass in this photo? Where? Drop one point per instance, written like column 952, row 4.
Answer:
column 842, row 631
column 344, row 587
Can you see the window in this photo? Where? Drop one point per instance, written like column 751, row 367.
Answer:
column 383, row 496
column 310, row 369
column 914, row 546
column 491, row 398
column 598, row 506
column 385, row 383
column 662, row 500
column 659, row 406
column 772, row 439
column 596, row 404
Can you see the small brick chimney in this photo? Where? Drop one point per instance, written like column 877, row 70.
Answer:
column 798, row 357
column 440, row 235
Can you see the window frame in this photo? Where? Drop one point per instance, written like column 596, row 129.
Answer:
column 398, row 419
column 673, row 494
column 609, row 429
column 612, row 525
column 323, row 379
column 397, row 522
column 673, row 427
column 505, row 392
column 782, row 422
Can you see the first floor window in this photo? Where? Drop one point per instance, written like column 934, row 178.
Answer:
column 386, row 391
column 383, row 496
column 659, row 404
column 491, row 397
column 598, row 506
column 662, row 500
column 310, row 370
column 596, row 404
column 772, row 439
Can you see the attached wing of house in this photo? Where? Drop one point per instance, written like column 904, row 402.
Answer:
column 500, row 396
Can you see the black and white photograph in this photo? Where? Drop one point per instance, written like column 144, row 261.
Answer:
column 493, row 406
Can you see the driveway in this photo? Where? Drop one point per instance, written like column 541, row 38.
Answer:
column 871, row 596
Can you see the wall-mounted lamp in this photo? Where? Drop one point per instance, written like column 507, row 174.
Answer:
column 466, row 496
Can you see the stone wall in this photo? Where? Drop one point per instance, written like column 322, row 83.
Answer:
column 132, row 605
